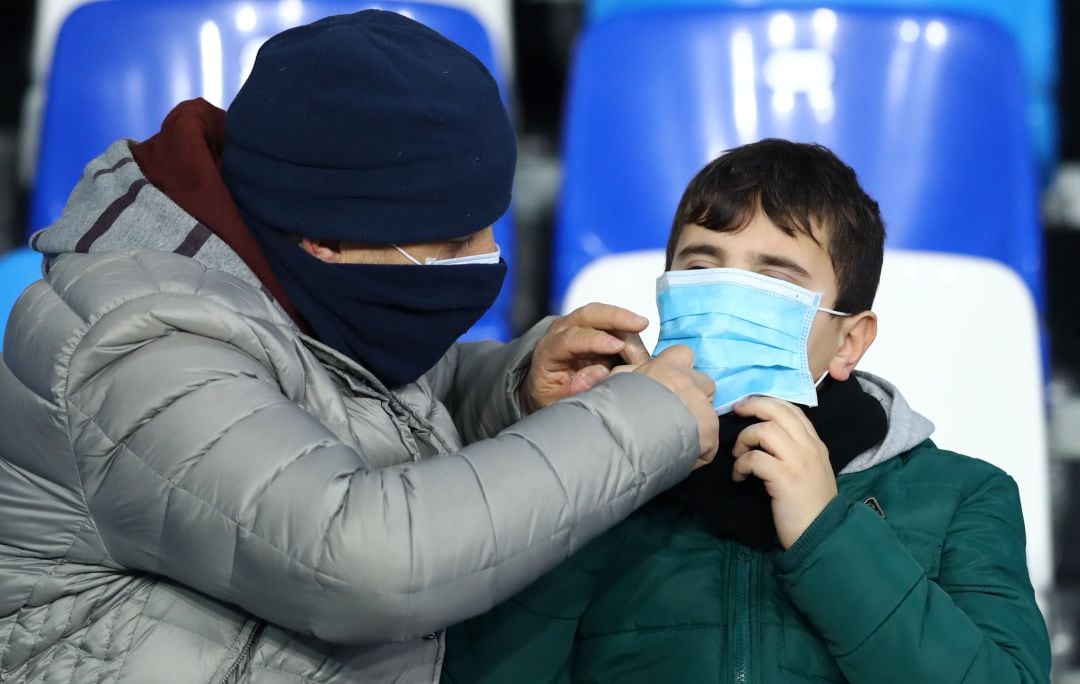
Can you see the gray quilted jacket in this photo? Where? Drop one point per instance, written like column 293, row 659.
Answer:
column 193, row 491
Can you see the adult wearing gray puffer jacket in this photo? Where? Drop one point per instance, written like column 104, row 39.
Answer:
column 197, row 486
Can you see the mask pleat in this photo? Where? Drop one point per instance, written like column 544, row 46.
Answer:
column 748, row 332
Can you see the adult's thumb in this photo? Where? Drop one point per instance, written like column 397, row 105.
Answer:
column 678, row 355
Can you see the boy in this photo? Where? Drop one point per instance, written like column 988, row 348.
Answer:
column 829, row 541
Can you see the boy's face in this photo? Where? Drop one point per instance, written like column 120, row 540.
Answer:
column 763, row 248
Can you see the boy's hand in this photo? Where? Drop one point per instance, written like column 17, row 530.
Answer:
column 785, row 452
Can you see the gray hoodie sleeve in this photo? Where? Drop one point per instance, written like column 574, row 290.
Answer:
column 196, row 466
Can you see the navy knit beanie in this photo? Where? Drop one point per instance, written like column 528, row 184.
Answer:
column 369, row 127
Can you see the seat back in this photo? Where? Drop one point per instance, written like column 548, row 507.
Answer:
column 18, row 268
column 120, row 66
column 1033, row 25
column 928, row 109
column 959, row 337
column 495, row 15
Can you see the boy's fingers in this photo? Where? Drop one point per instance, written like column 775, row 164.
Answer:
column 784, row 413
column 769, row 437
column 801, row 416
column 755, row 463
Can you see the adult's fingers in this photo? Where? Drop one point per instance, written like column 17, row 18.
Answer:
column 682, row 357
column 634, row 352
column 708, row 431
column 704, row 383
column 678, row 355
column 588, row 377
column 626, row 368
column 607, row 317
column 704, row 460
column 577, row 342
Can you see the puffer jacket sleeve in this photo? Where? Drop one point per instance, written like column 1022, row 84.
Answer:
column 479, row 381
column 197, row 466
column 885, row 621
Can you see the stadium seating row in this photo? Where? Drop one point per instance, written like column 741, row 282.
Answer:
column 932, row 109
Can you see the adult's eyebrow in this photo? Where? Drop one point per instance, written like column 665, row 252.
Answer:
column 777, row 261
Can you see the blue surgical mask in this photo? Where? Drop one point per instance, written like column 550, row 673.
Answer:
column 748, row 332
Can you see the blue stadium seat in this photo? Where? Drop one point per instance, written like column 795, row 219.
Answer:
column 18, row 268
column 928, row 109
column 120, row 66
column 1033, row 24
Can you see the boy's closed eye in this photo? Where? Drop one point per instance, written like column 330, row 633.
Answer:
column 698, row 256
column 782, row 268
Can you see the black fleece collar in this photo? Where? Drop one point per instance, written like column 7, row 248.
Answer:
column 847, row 419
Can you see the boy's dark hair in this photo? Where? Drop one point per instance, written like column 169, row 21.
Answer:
column 800, row 187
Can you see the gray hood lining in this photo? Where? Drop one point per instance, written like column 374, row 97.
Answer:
column 907, row 428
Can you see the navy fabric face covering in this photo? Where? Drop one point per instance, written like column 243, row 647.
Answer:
column 396, row 321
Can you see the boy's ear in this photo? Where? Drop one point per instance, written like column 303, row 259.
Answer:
column 858, row 333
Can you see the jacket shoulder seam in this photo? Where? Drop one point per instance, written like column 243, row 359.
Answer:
column 995, row 475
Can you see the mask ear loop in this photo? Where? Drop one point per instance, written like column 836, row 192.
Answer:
column 833, row 312
column 435, row 260
column 405, row 254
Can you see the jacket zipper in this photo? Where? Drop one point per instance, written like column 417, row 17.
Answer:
column 741, row 628
column 239, row 666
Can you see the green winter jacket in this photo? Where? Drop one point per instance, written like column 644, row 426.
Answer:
column 915, row 573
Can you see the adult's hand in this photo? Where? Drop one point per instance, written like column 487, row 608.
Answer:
column 785, row 452
column 674, row 369
column 579, row 350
